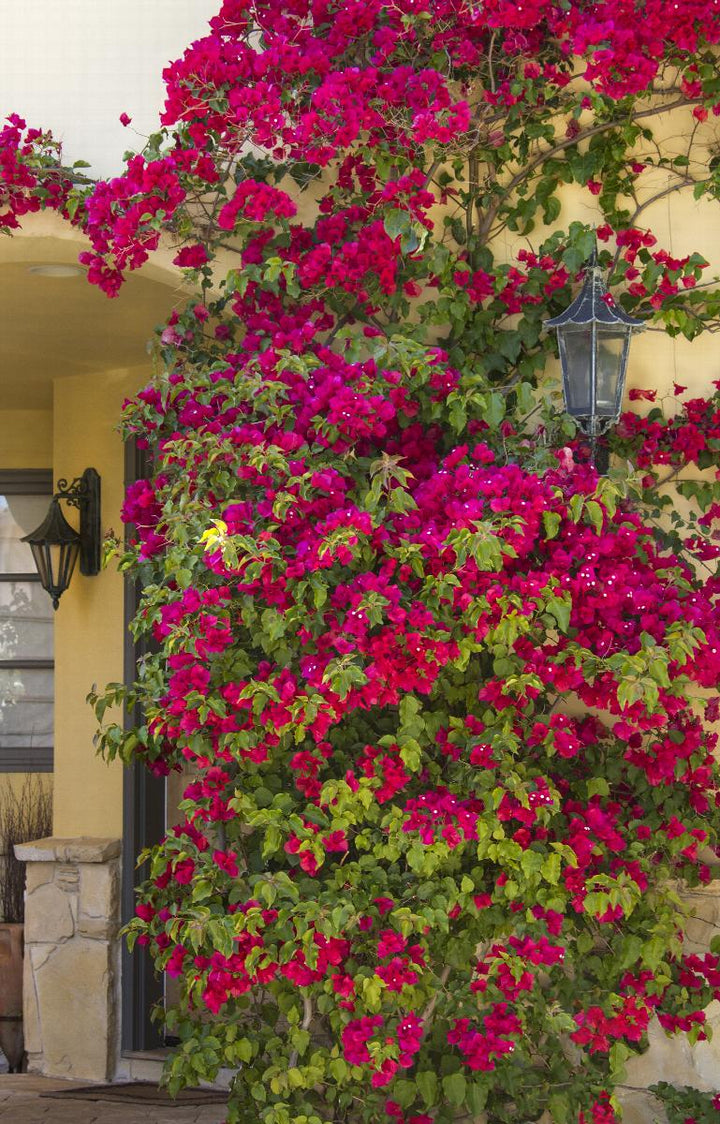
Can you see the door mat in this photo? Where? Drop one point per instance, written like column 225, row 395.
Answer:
column 140, row 1092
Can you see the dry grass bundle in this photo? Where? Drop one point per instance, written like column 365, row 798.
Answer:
column 25, row 814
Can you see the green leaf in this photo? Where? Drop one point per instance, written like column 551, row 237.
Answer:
column 338, row 1068
column 619, row 1053
column 459, row 233
column 653, row 952
column 495, row 410
column 551, row 868
column 632, row 948
column 273, row 624
column 595, row 514
column 410, row 242
column 263, row 797
column 404, row 1093
column 531, row 863
column 629, row 691
column 454, row 1088
column 476, row 1099
column 409, row 707
column 551, row 210
column 560, row 608
column 525, row 398
column 427, row 1084
column 559, row 1107
column 576, row 504
column 551, row 522
column 411, row 754
column 397, row 223
column 244, row 1049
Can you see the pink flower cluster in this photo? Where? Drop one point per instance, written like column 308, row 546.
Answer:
column 395, row 1051
column 30, row 174
column 486, row 1041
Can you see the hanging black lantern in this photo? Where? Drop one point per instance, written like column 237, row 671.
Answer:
column 594, row 341
column 56, row 546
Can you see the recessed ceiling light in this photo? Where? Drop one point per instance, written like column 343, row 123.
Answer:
column 56, row 269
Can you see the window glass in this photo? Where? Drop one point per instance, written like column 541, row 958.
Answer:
column 26, row 621
column 26, row 631
column 19, row 515
column 26, row 708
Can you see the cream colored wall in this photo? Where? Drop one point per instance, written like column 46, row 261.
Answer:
column 89, row 622
column 74, row 67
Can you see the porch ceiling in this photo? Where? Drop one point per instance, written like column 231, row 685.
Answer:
column 52, row 327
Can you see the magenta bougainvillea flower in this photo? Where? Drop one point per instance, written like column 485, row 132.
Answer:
column 447, row 696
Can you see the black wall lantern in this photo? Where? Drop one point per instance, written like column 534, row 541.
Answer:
column 56, row 546
column 594, row 341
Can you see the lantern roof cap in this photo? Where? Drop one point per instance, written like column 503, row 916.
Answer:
column 595, row 304
column 54, row 529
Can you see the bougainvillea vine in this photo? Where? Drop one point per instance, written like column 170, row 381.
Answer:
column 445, row 695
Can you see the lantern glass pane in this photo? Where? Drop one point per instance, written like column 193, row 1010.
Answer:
column 575, row 353
column 55, row 564
column 64, row 559
column 41, row 554
column 609, row 361
column 575, row 349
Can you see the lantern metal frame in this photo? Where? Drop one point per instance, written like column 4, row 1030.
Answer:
column 595, row 308
column 82, row 493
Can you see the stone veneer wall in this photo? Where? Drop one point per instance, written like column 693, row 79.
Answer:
column 71, row 985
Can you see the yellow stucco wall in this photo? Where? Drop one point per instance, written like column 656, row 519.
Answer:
column 68, row 359
column 89, row 623
column 682, row 225
column 26, row 438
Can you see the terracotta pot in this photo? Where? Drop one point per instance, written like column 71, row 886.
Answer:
column 11, row 1004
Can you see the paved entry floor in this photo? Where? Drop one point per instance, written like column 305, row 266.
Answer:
column 21, row 1102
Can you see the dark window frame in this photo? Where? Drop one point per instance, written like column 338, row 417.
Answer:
column 26, row 482
column 144, row 797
